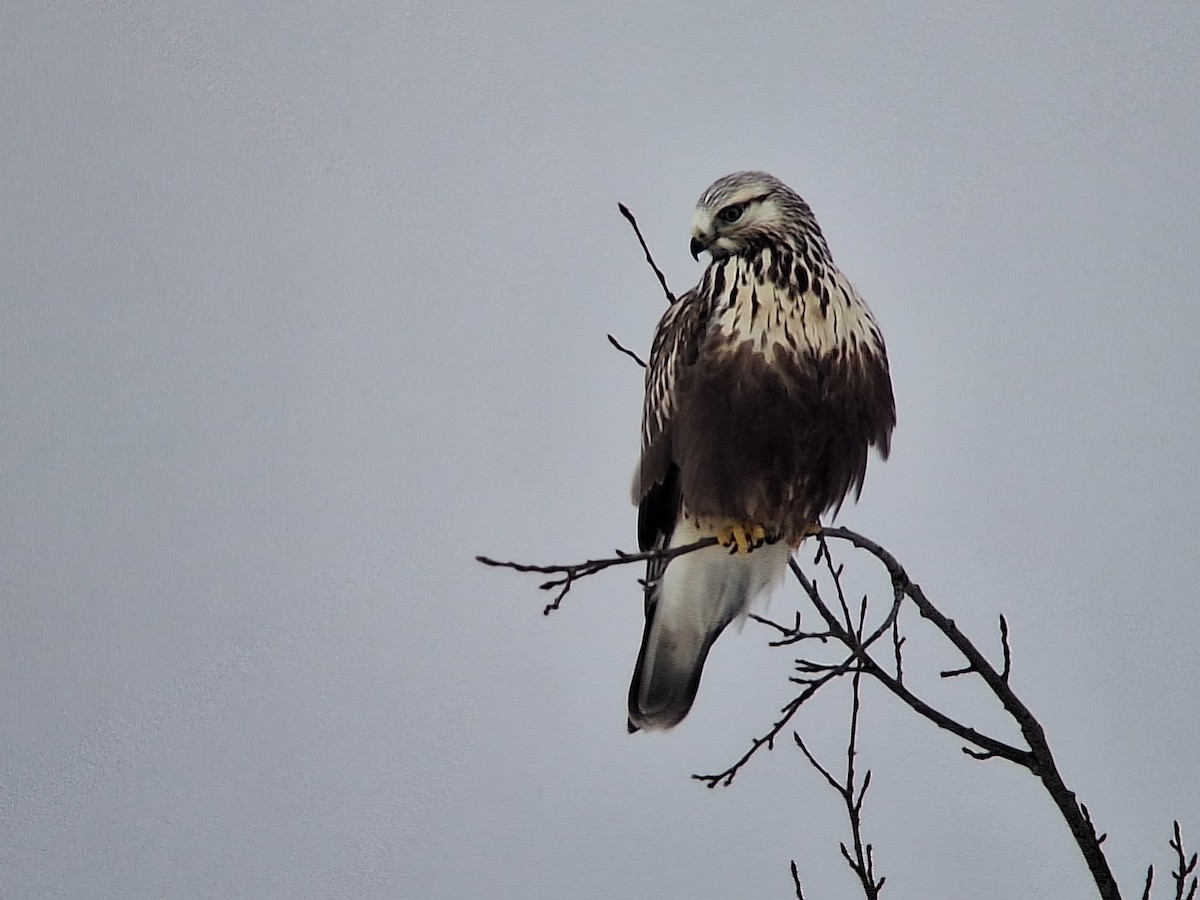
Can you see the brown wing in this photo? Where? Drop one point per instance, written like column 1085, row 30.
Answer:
column 656, row 482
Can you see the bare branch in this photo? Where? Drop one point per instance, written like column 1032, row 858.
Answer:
column 816, row 764
column 1149, row 883
column 952, row 673
column 1007, row 650
column 862, row 791
column 793, row 635
column 1087, row 817
column 1038, row 759
column 836, row 575
column 816, row 667
column 1187, row 865
column 726, row 777
column 637, row 359
column 997, row 747
column 782, row 629
column 650, row 259
column 844, row 628
column 1007, row 670
column 572, row 572
column 796, row 881
column 979, row 754
column 897, row 645
column 862, row 862
column 840, row 634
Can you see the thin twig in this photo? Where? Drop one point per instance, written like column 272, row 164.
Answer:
column 793, row 635
column 1007, row 670
column 897, row 644
column 1087, row 817
column 951, row 673
column 637, row 359
column 1186, row 867
column 816, row 763
column 836, row 575
column 650, row 259
column 767, row 740
column 572, row 572
column 863, row 863
column 796, row 881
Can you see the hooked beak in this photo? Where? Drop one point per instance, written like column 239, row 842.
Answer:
column 697, row 247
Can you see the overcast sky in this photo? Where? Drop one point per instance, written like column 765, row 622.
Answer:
column 303, row 304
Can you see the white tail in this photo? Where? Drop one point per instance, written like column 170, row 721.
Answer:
column 698, row 595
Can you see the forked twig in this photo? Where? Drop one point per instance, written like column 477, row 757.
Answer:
column 1187, row 866
column 767, row 740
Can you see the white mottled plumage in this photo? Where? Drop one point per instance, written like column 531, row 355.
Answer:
column 792, row 317
column 767, row 384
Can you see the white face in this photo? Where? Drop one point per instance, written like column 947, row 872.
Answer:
column 724, row 228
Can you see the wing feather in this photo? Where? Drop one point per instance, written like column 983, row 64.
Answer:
column 676, row 346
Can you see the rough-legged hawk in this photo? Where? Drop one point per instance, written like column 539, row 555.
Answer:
column 768, row 382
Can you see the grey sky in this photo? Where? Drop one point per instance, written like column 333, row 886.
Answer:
column 302, row 305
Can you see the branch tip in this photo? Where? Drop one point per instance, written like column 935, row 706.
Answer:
column 662, row 280
column 637, row 359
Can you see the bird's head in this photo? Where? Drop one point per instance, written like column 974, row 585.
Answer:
column 744, row 210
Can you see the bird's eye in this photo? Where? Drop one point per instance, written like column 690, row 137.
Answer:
column 731, row 214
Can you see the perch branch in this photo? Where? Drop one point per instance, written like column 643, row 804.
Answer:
column 569, row 573
column 1038, row 759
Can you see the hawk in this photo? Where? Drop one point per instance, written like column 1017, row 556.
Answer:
column 767, row 385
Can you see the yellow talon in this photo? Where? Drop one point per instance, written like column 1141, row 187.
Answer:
column 811, row 530
column 742, row 538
